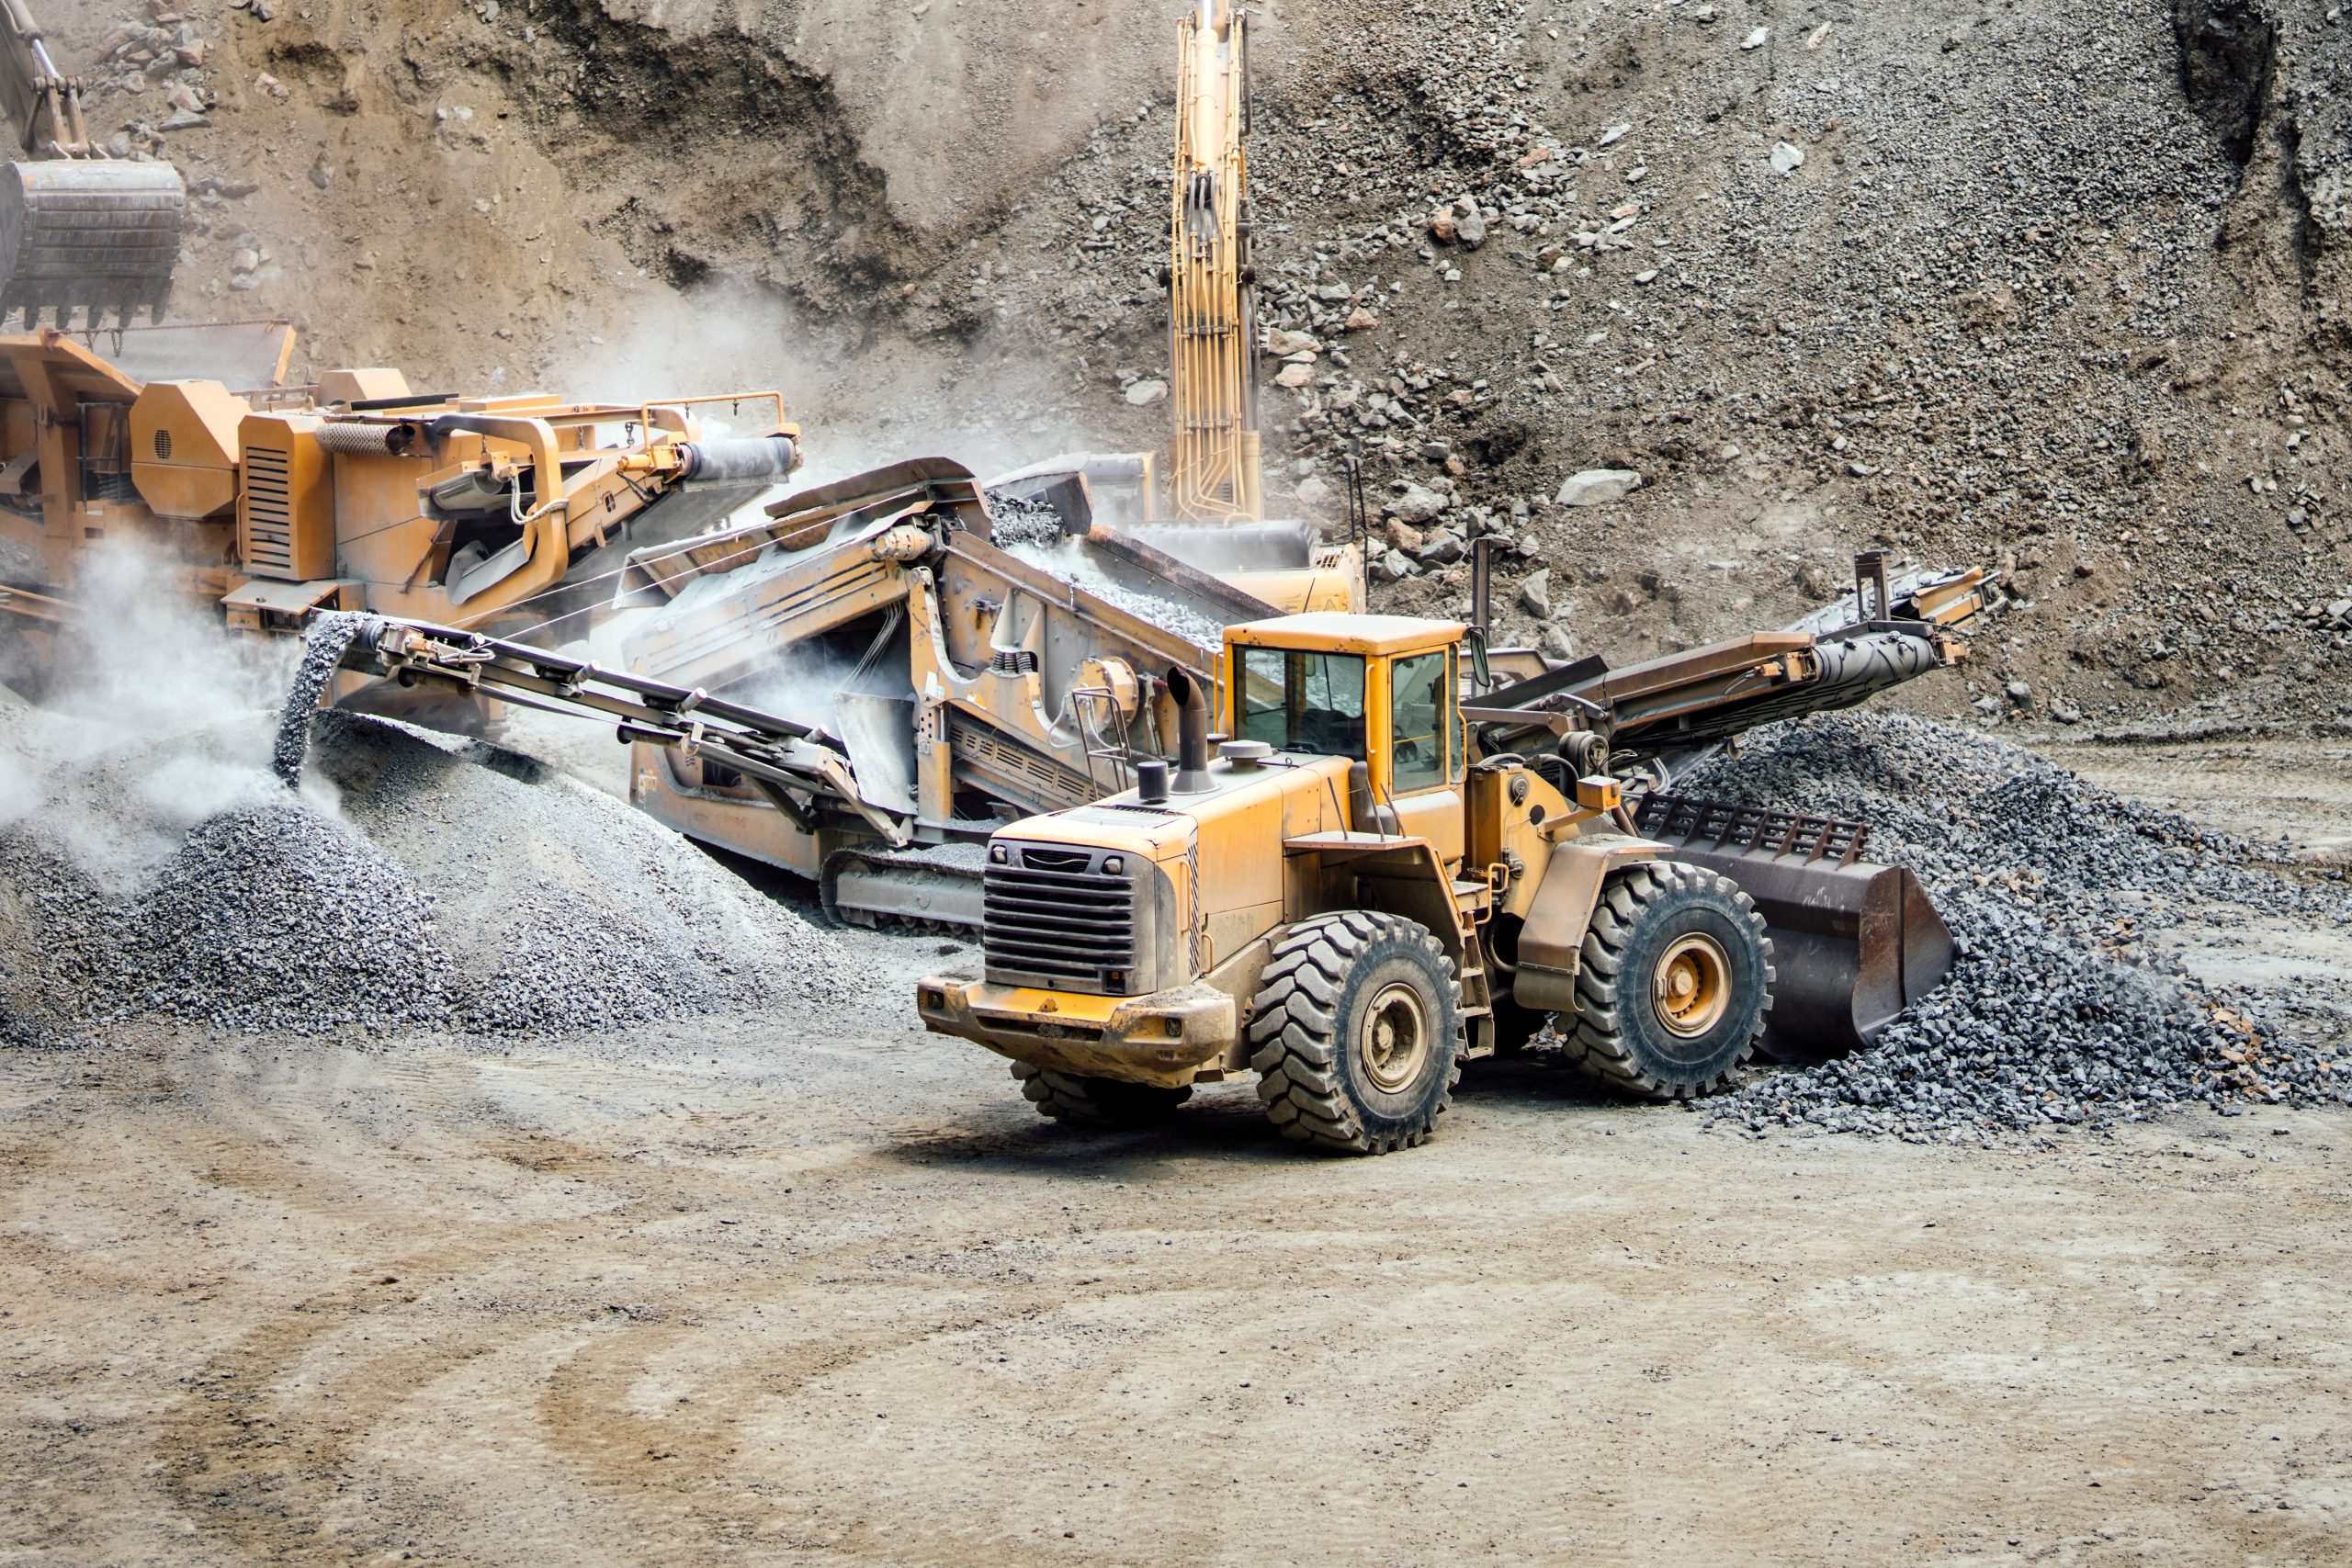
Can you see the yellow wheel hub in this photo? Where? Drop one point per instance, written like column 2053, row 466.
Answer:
column 1691, row 988
column 1394, row 1038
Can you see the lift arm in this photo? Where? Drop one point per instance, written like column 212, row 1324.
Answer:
column 33, row 91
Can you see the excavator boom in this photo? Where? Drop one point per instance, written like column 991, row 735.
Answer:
column 1213, row 468
column 79, row 232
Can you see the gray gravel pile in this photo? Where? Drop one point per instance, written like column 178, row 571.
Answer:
column 464, row 888
column 1017, row 521
column 266, row 918
column 2054, row 1012
column 560, row 908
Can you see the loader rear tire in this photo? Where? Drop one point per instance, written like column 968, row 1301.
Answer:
column 1097, row 1102
column 1673, row 983
column 1357, row 1033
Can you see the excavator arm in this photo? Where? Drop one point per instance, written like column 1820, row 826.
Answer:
column 79, row 230
column 1213, row 469
column 42, row 103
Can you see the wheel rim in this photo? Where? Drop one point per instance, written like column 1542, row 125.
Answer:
column 1690, row 988
column 1395, row 1039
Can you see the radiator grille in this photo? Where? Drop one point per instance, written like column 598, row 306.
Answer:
column 269, row 514
column 1052, row 917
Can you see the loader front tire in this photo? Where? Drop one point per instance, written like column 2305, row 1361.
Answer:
column 1356, row 1032
column 1673, row 983
column 1097, row 1102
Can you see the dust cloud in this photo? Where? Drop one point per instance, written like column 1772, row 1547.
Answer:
column 863, row 399
column 154, row 719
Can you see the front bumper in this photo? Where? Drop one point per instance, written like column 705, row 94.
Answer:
column 1163, row 1039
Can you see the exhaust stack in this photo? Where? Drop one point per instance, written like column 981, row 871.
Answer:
column 1191, row 731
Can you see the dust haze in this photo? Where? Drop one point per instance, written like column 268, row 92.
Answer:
column 155, row 719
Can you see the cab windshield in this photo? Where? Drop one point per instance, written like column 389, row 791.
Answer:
column 1297, row 701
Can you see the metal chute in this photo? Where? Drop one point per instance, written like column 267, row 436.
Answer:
column 1853, row 942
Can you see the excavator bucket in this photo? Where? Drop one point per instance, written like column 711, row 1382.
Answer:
column 96, row 236
column 1853, row 942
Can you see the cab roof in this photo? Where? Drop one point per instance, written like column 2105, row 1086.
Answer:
column 1337, row 631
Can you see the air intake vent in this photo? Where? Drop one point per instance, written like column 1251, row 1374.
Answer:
column 1051, row 921
column 1056, row 859
column 269, row 514
column 163, row 446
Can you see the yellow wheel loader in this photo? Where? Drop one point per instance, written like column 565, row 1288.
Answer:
column 1363, row 887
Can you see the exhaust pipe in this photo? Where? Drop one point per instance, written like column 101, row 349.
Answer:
column 1191, row 731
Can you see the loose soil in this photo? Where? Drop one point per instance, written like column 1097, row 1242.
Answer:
column 820, row 1287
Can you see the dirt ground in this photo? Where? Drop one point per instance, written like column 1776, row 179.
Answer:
column 822, row 1289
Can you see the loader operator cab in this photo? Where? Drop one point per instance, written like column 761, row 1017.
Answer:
column 1377, row 690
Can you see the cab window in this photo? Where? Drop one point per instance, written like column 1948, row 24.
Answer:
column 1297, row 701
column 1420, row 722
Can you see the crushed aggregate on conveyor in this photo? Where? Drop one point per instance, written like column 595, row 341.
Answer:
column 324, row 642
column 2056, row 1011
column 1069, row 561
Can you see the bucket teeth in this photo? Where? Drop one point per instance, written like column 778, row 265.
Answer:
column 96, row 239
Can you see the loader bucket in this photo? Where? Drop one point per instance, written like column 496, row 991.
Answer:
column 1853, row 942
column 97, row 236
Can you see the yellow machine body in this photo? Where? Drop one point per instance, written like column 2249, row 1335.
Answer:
column 1399, row 823
column 271, row 502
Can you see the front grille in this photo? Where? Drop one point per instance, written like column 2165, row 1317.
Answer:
column 1052, row 917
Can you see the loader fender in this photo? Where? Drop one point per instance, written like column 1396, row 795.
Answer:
column 1562, row 912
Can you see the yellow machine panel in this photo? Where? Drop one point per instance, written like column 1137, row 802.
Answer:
column 286, row 517
column 184, row 445
column 372, row 384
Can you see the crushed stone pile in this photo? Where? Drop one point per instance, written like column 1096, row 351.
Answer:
column 266, row 918
column 2055, row 1013
column 457, row 887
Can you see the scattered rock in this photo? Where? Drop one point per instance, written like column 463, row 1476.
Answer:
column 1598, row 487
column 1415, row 503
column 1535, row 596
column 1145, row 393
